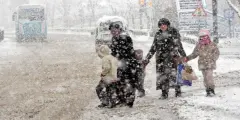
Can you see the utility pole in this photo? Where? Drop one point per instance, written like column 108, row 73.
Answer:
column 215, row 20
column 230, row 27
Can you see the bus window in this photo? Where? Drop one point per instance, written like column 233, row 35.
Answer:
column 31, row 14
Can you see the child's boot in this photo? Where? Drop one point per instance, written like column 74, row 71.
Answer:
column 208, row 92
column 164, row 95
column 212, row 91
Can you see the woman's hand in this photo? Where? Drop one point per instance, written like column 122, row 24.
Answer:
column 145, row 62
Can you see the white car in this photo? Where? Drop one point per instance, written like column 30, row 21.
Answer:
column 102, row 32
column 1, row 33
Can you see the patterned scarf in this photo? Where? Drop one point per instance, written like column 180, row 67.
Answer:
column 204, row 40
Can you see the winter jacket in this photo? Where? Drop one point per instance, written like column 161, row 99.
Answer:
column 167, row 46
column 208, row 55
column 122, row 49
column 109, row 64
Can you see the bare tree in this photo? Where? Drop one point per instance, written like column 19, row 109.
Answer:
column 66, row 4
column 171, row 14
column 131, row 11
column 113, row 7
column 81, row 14
column 237, row 10
column 92, row 5
column 15, row 3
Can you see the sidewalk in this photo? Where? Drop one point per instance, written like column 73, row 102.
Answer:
column 195, row 106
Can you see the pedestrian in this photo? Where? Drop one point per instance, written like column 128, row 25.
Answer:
column 122, row 48
column 140, row 73
column 168, row 47
column 208, row 54
column 106, row 89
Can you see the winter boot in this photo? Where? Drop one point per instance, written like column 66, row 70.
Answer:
column 112, row 105
column 102, row 105
column 212, row 91
column 208, row 92
column 141, row 94
column 130, row 105
column 164, row 95
column 178, row 92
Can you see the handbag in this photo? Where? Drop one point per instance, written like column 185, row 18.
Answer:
column 185, row 75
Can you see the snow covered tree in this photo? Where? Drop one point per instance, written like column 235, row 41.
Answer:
column 235, row 6
column 92, row 5
column 131, row 12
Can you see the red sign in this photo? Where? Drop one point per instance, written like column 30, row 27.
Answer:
column 199, row 12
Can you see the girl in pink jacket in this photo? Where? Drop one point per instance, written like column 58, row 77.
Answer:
column 208, row 54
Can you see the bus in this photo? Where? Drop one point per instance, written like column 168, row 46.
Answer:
column 30, row 22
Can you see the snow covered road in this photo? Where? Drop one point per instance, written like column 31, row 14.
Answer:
column 56, row 78
column 48, row 80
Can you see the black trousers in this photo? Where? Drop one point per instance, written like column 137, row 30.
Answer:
column 126, row 86
column 140, row 75
column 107, row 93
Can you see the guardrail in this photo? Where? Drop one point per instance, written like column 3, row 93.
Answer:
column 72, row 29
column 135, row 32
column 144, row 32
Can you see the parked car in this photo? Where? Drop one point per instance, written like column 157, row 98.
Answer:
column 102, row 33
column 1, row 33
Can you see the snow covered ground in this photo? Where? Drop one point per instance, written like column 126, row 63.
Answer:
column 61, row 99
column 193, row 105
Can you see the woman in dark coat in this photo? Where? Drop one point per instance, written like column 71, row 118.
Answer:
column 167, row 46
column 122, row 49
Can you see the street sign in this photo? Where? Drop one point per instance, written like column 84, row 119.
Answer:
column 187, row 4
column 228, row 13
column 199, row 12
column 189, row 23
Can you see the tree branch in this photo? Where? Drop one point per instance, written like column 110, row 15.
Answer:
column 234, row 7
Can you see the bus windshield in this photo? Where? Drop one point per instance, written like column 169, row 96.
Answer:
column 31, row 14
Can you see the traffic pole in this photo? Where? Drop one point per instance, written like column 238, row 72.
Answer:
column 215, row 21
column 230, row 27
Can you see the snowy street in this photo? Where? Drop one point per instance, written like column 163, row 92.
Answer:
column 53, row 65
column 151, row 108
column 56, row 79
column 51, row 79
